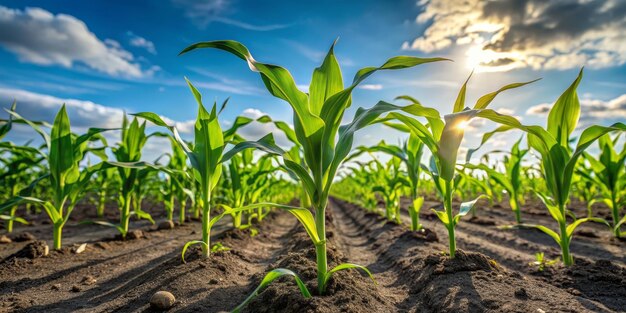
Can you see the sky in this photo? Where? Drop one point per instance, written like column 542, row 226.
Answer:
column 103, row 58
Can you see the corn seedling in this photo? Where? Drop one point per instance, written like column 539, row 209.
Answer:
column 443, row 139
column 206, row 158
column 68, row 180
column 317, row 119
column 558, row 162
column 510, row 180
column 606, row 171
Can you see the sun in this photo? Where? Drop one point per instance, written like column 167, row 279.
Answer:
column 462, row 125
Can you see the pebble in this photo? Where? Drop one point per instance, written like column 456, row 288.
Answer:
column 88, row 280
column 75, row 288
column 135, row 234
column 5, row 239
column 165, row 225
column 213, row 281
column 56, row 287
column 162, row 300
column 80, row 249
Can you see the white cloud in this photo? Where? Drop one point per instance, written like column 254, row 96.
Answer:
column 592, row 110
column 539, row 109
column 40, row 37
column 138, row 41
column 83, row 114
column 539, row 34
column 371, row 86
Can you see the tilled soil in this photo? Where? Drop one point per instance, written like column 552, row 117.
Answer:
column 411, row 270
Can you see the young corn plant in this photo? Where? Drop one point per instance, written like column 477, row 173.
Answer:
column 389, row 185
column 443, row 139
column 317, row 126
column 68, row 180
column 558, row 162
column 21, row 164
column 128, row 156
column 511, row 179
column 410, row 153
column 206, row 159
column 607, row 169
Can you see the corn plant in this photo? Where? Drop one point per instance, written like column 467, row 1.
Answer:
column 606, row 171
column 558, row 161
column 443, row 139
column 410, row 154
column 68, row 180
column 206, row 159
column 317, row 118
column 510, row 180
column 20, row 164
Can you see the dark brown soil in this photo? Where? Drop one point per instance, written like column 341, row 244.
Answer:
column 412, row 271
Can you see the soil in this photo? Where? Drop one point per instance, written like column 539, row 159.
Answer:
column 412, row 271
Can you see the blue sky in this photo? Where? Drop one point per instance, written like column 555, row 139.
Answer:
column 106, row 56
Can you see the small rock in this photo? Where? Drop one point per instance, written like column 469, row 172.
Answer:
column 5, row 239
column 75, row 288
column 102, row 245
column 56, row 287
column 574, row 292
column 165, row 225
column 162, row 300
column 135, row 234
column 521, row 293
column 88, row 280
column 213, row 281
column 80, row 249
column 25, row 236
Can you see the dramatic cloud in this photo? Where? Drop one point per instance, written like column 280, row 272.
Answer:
column 140, row 42
column 591, row 110
column 204, row 12
column 507, row 34
column 40, row 37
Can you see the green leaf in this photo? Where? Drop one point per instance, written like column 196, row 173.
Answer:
column 546, row 230
column 459, row 104
column 563, row 116
column 326, row 82
column 277, row 80
column 466, row 207
column 485, row 100
column 268, row 279
column 191, row 243
column 572, row 227
column 345, row 266
column 442, row 216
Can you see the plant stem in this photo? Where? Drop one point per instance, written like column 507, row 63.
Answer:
column 320, row 249
column 568, row 260
column 10, row 222
column 181, row 216
column 447, row 203
column 57, row 232
column 206, row 217
column 125, row 216
column 615, row 213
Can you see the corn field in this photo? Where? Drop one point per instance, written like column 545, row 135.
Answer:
column 223, row 223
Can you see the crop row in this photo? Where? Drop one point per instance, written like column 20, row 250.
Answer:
column 217, row 174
